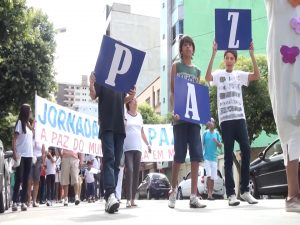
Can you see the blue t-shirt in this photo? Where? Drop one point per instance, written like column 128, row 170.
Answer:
column 210, row 147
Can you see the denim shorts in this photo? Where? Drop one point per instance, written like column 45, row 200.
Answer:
column 187, row 136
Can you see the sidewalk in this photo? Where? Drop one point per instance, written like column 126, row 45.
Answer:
column 266, row 212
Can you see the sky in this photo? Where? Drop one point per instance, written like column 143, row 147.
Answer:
column 77, row 49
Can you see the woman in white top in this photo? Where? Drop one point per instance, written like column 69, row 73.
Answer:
column 22, row 147
column 133, row 149
column 283, row 48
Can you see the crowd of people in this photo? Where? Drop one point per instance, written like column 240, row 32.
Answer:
column 123, row 131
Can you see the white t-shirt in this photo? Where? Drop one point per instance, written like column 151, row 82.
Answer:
column 229, row 92
column 50, row 166
column 37, row 148
column 89, row 176
column 94, row 160
column 133, row 140
column 24, row 145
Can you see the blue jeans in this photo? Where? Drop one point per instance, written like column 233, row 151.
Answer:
column 112, row 149
column 236, row 130
column 90, row 189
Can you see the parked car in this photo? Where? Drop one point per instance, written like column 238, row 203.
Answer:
column 5, row 196
column 267, row 172
column 184, row 187
column 155, row 185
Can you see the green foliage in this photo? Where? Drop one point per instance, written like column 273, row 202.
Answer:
column 27, row 49
column 257, row 104
column 150, row 117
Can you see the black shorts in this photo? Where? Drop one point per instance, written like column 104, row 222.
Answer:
column 187, row 136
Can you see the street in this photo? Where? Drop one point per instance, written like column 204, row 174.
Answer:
column 266, row 212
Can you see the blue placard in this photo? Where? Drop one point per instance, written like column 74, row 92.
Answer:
column 118, row 65
column 191, row 101
column 233, row 29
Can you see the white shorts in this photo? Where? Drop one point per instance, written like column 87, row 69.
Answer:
column 211, row 169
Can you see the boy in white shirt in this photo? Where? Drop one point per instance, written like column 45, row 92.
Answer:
column 232, row 118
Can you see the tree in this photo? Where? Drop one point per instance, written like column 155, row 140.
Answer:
column 150, row 117
column 26, row 59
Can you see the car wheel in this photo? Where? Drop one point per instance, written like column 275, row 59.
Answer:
column 148, row 195
column 252, row 187
column 179, row 194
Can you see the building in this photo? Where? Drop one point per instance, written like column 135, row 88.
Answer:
column 138, row 31
column 151, row 95
column 196, row 18
column 77, row 97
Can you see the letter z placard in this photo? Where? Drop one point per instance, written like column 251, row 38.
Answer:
column 191, row 101
column 233, row 29
column 118, row 65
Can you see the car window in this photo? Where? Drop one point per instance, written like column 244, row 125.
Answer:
column 274, row 150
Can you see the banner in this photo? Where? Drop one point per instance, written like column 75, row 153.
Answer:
column 191, row 101
column 118, row 65
column 64, row 128
column 233, row 29
column 161, row 139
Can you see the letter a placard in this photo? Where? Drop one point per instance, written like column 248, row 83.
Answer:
column 118, row 65
column 233, row 29
column 191, row 101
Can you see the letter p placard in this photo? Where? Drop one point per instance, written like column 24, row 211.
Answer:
column 118, row 65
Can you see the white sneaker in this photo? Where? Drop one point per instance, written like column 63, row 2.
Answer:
column 246, row 196
column 293, row 204
column 195, row 202
column 77, row 201
column 14, row 207
column 232, row 200
column 65, row 202
column 172, row 197
column 112, row 204
column 23, row 207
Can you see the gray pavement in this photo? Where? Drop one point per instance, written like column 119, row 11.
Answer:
column 266, row 212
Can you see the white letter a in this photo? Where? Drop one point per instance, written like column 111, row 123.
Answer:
column 191, row 98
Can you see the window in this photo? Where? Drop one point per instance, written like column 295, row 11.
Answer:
column 177, row 30
column 148, row 100
column 158, row 96
column 274, row 150
column 164, row 68
column 153, row 99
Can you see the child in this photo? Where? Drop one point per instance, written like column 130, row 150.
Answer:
column 90, row 182
column 185, row 133
column 50, row 175
column 232, row 118
column 284, row 87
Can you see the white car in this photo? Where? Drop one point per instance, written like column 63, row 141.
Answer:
column 184, row 187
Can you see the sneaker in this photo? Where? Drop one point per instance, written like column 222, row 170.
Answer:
column 14, row 207
column 172, row 198
column 232, row 200
column 128, row 204
column 66, row 202
column 35, row 204
column 195, row 202
column 112, row 204
column 23, row 207
column 293, row 204
column 48, row 203
column 77, row 201
column 246, row 196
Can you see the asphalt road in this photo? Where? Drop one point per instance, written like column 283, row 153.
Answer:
column 266, row 212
